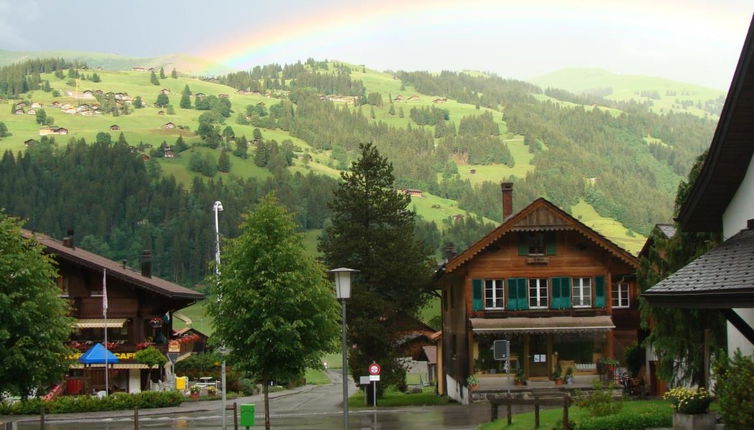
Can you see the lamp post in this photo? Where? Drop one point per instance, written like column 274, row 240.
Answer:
column 218, row 207
column 343, row 292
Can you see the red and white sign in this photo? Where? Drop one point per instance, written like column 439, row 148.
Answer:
column 374, row 369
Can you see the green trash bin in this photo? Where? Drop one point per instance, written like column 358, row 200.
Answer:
column 247, row 415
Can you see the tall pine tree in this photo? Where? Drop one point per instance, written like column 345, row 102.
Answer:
column 373, row 231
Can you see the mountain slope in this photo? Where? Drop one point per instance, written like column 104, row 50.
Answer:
column 663, row 94
column 183, row 63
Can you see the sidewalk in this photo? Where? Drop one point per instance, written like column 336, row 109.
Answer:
column 185, row 407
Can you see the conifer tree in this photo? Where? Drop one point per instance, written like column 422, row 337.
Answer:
column 174, row 74
column 373, row 231
column 223, row 162
column 162, row 73
column 153, row 78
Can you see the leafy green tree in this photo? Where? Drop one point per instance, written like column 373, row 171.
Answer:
column 96, row 77
column 41, row 116
column 223, row 162
column 153, row 78
column 162, row 100
column 242, row 148
column 185, row 100
column 153, row 358
column 373, row 231
column 228, row 133
column 174, row 74
column 138, row 102
column 3, row 130
column 33, row 322
column 162, row 73
column 295, row 316
column 677, row 333
column 170, row 110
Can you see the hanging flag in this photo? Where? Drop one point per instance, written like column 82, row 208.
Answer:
column 104, row 293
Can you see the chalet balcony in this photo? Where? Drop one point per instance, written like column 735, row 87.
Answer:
column 540, row 313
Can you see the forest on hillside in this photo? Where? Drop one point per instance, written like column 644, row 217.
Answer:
column 620, row 157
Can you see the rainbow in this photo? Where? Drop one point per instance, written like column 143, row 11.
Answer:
column 332, row 23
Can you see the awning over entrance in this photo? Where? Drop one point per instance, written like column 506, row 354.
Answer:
column 112, row 366
column 541, row 325
column 101, row 323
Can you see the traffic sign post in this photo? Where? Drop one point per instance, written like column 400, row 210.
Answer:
column 374, row 377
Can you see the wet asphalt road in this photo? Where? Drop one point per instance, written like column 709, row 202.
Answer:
column 317, row 408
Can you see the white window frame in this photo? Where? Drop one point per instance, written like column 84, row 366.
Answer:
column 536, row 287
column 496, row 284
column 620, row 289
column 577, row 293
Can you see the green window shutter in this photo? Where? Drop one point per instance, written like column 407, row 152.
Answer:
column 523, row 243
column 599, row 291
column 512, row 295
column 523, row 303
column 565, row 293
column 550, row 243
column 477, row 304
column 556, row 296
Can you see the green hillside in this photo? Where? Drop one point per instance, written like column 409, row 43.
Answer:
column 185, row 63
column 664, row 94
column 552, row 147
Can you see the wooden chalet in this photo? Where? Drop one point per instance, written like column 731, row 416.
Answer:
column 560, row 292
column 140, row 308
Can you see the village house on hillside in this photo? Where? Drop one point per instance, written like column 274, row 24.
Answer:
column 561, row 293
column 140, row 309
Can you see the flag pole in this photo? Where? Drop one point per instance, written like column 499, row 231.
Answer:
column 104, row 314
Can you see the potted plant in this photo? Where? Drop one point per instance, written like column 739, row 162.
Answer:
column 556, row 375
column 606, row 367
column 691, row 406
column 194, row 390
column 520, row 377
column 472, row 382
column 569, row 376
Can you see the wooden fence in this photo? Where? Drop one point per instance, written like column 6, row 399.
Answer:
column 509, row 401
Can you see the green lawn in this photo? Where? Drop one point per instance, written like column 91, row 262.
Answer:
column 393, row 398
column 549, row 417
column 316, row 377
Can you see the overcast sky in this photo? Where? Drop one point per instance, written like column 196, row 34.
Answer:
column 690, row 40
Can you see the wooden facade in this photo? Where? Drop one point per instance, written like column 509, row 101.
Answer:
column 556, row 289
column 139, row 313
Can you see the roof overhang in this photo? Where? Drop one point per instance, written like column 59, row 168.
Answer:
column 729, row 154
column 100, row 323
column 740, row 298
column 541, row 325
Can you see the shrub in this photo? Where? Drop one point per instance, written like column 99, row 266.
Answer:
column 689, row 400
column 117, row 401
column 735, row 391
column 600, row 401
column 628, row 421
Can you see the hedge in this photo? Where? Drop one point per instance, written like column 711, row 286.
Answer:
column 116, row 401
column 628, row 421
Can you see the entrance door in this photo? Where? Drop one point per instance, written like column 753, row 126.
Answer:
column 538, row 360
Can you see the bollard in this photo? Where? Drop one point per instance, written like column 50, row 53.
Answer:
column 136, row 418
column 247, row 415
column 566, row 403
column 508, row 404
column 235, row 416
column 536, row 412
column 42, row 417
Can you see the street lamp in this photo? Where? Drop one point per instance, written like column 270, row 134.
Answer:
column 343, row 292
column 218, row 207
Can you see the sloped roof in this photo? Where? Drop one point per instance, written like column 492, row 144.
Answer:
column 730, row 151
column 115, row 270
column 540, row 215
column 667, row 230
column 721, row 278
column 542, row 325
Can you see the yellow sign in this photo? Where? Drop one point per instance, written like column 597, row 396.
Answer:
column 174, row 346
column 120, row 355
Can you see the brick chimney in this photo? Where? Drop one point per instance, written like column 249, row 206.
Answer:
column 507, row 189
column 68, row 239
column 146, row 263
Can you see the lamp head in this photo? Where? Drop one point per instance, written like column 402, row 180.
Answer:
column 343, row 281
column 218, row 206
